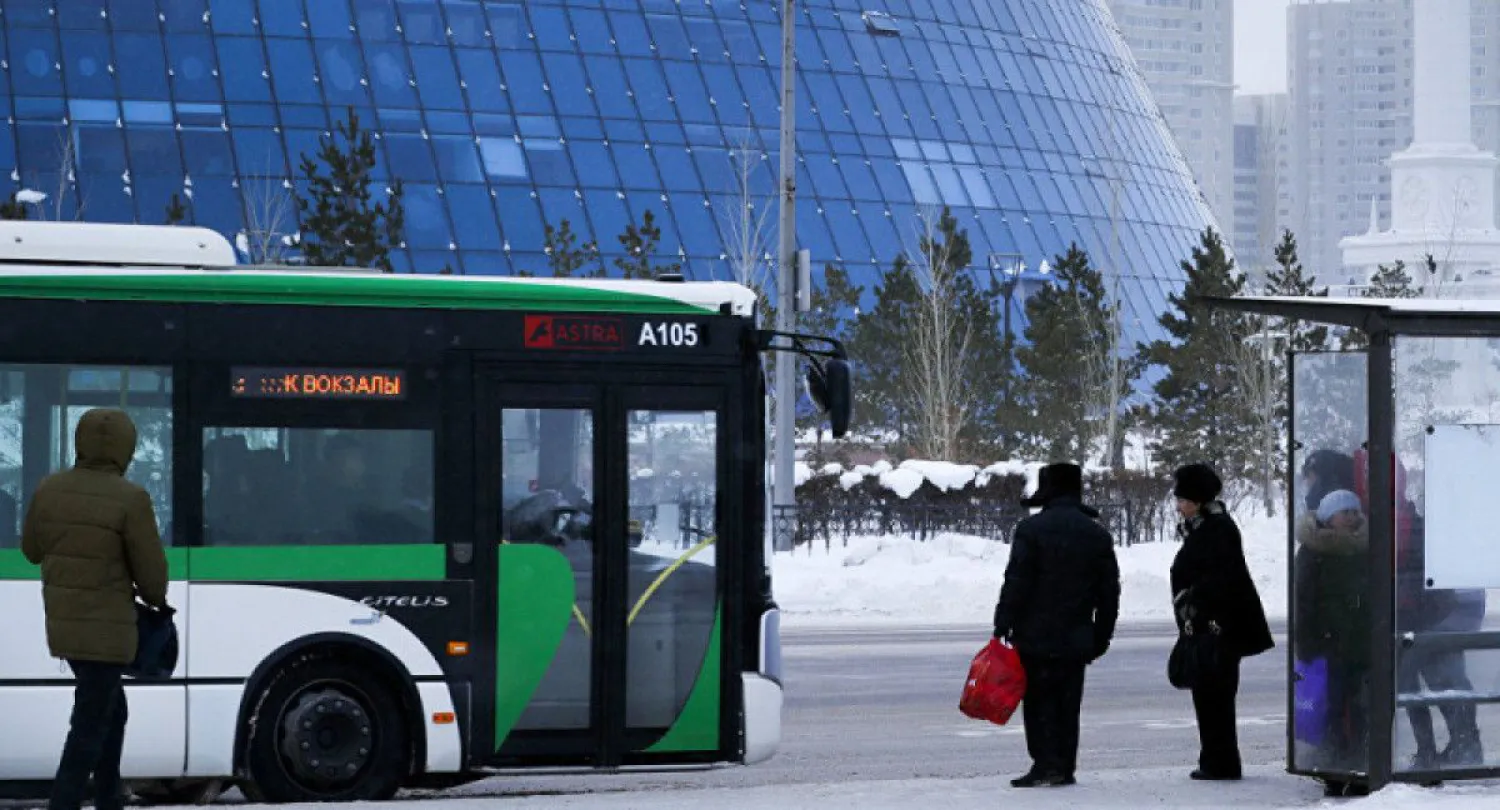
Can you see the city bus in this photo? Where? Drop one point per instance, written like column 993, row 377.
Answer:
column 420, row 528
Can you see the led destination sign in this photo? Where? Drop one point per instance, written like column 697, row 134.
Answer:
column 254, row 382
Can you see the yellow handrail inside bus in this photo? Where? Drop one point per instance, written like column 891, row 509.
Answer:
column 650, row 591
column 662, row 577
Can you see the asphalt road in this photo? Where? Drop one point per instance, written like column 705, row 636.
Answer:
column 883, row 704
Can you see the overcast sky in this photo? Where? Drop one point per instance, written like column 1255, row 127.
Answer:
column 1260, row 46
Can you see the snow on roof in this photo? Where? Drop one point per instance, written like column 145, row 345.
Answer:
column 100, row 243
column 1484, row 306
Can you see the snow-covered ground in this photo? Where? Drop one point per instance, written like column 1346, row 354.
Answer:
column 954, row 580
column 1266, row 788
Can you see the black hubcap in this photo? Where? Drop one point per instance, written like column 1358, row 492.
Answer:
column 327, row 737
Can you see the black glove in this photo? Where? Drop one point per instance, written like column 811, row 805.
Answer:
column 1099, row 651
column 1002, row 633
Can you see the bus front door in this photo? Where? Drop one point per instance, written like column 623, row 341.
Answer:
column 604, row 504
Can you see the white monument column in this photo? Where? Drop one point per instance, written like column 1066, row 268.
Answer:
column 1443, row 188
column 1441, row 111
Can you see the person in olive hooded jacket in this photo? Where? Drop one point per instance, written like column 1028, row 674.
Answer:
column 94, row 535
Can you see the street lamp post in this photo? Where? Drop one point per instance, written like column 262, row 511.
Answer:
column 784, row 495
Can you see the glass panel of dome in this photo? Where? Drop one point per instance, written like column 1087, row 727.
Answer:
column 457, row 159
column 329, row 20
column 232, row 16
column 704, row 38
column 93, row 110
column 426, row 217
column 692, row 99
column 292, row 71
column 549, row 163
column 154, row 150
column 740, row 41
column 376, row 20
column 193, row 63
column 503, row 158
column 669, row 36
column 522, row 221
column 207, row 152
column 465, row 19
column 437, row 83
column 650, row 90
column 607, row 213
column 629, row 33
column 96, row 149
column 698, row 226
column 242, row 65
column 481, row 75
column 421, row 22
column 595, row 169
column 80, row 14
column 86, row 64
column 32, row 69
column 524, row 80
column 28, row 13
column 283, row 18
column 390, row 77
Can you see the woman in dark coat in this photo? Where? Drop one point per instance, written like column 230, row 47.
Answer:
column 1212, row 592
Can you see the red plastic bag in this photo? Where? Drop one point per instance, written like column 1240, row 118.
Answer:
column 996, row 684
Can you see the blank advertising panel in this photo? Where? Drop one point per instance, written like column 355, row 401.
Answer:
column 1463, row 537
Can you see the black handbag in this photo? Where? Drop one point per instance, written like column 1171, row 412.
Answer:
column 157, row 646
column 1196, row 658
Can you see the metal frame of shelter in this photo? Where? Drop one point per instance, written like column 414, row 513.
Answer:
column 1383, row 320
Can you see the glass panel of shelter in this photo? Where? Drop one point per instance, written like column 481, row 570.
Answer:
column 1447, row 440
column 1329, row 541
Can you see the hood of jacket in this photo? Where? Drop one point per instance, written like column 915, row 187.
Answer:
column 1328, row 540
column 105, row 441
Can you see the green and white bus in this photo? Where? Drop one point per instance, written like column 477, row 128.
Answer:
column 420, row 529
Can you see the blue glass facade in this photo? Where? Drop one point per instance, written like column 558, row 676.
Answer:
column 1026, row 116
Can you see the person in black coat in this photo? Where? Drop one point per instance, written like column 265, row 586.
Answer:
column 1212, row 592
column 1058, row 607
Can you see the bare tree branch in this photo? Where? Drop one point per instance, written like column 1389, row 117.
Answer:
column 270, row 219
column 940, row 351
column 745, row 218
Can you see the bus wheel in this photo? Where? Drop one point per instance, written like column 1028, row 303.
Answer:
column 325, row 730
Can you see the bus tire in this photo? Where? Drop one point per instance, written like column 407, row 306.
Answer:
column 325, row 730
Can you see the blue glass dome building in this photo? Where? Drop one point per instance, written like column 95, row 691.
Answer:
column 1028, row 117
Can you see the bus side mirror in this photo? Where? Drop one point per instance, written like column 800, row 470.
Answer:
column 828, row 385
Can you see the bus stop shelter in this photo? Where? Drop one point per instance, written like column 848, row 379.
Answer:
column 1393, row 660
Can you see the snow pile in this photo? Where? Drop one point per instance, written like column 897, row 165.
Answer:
column 955, row 579
column 907, row 477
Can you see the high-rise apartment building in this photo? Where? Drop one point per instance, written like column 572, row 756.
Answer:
column 1350, row 94
column 1259, row 154
column 1185, row 49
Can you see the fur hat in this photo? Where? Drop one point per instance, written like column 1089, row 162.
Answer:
column 1056, row 481
column 1197, row 483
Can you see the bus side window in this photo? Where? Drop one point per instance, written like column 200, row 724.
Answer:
column 318, row 487
column 10, row 535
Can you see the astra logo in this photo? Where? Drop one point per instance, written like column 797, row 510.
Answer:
column 387, row 602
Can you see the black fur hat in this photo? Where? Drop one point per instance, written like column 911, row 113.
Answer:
column 1197, row 483
column 1056, row 481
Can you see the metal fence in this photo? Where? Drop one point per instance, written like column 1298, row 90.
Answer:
column 804, row 526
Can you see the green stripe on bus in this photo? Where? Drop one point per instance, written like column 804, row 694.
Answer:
column 282, row 564
column 394, row 563
column 14, row 565
column 353, row 290
column 697, row 726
